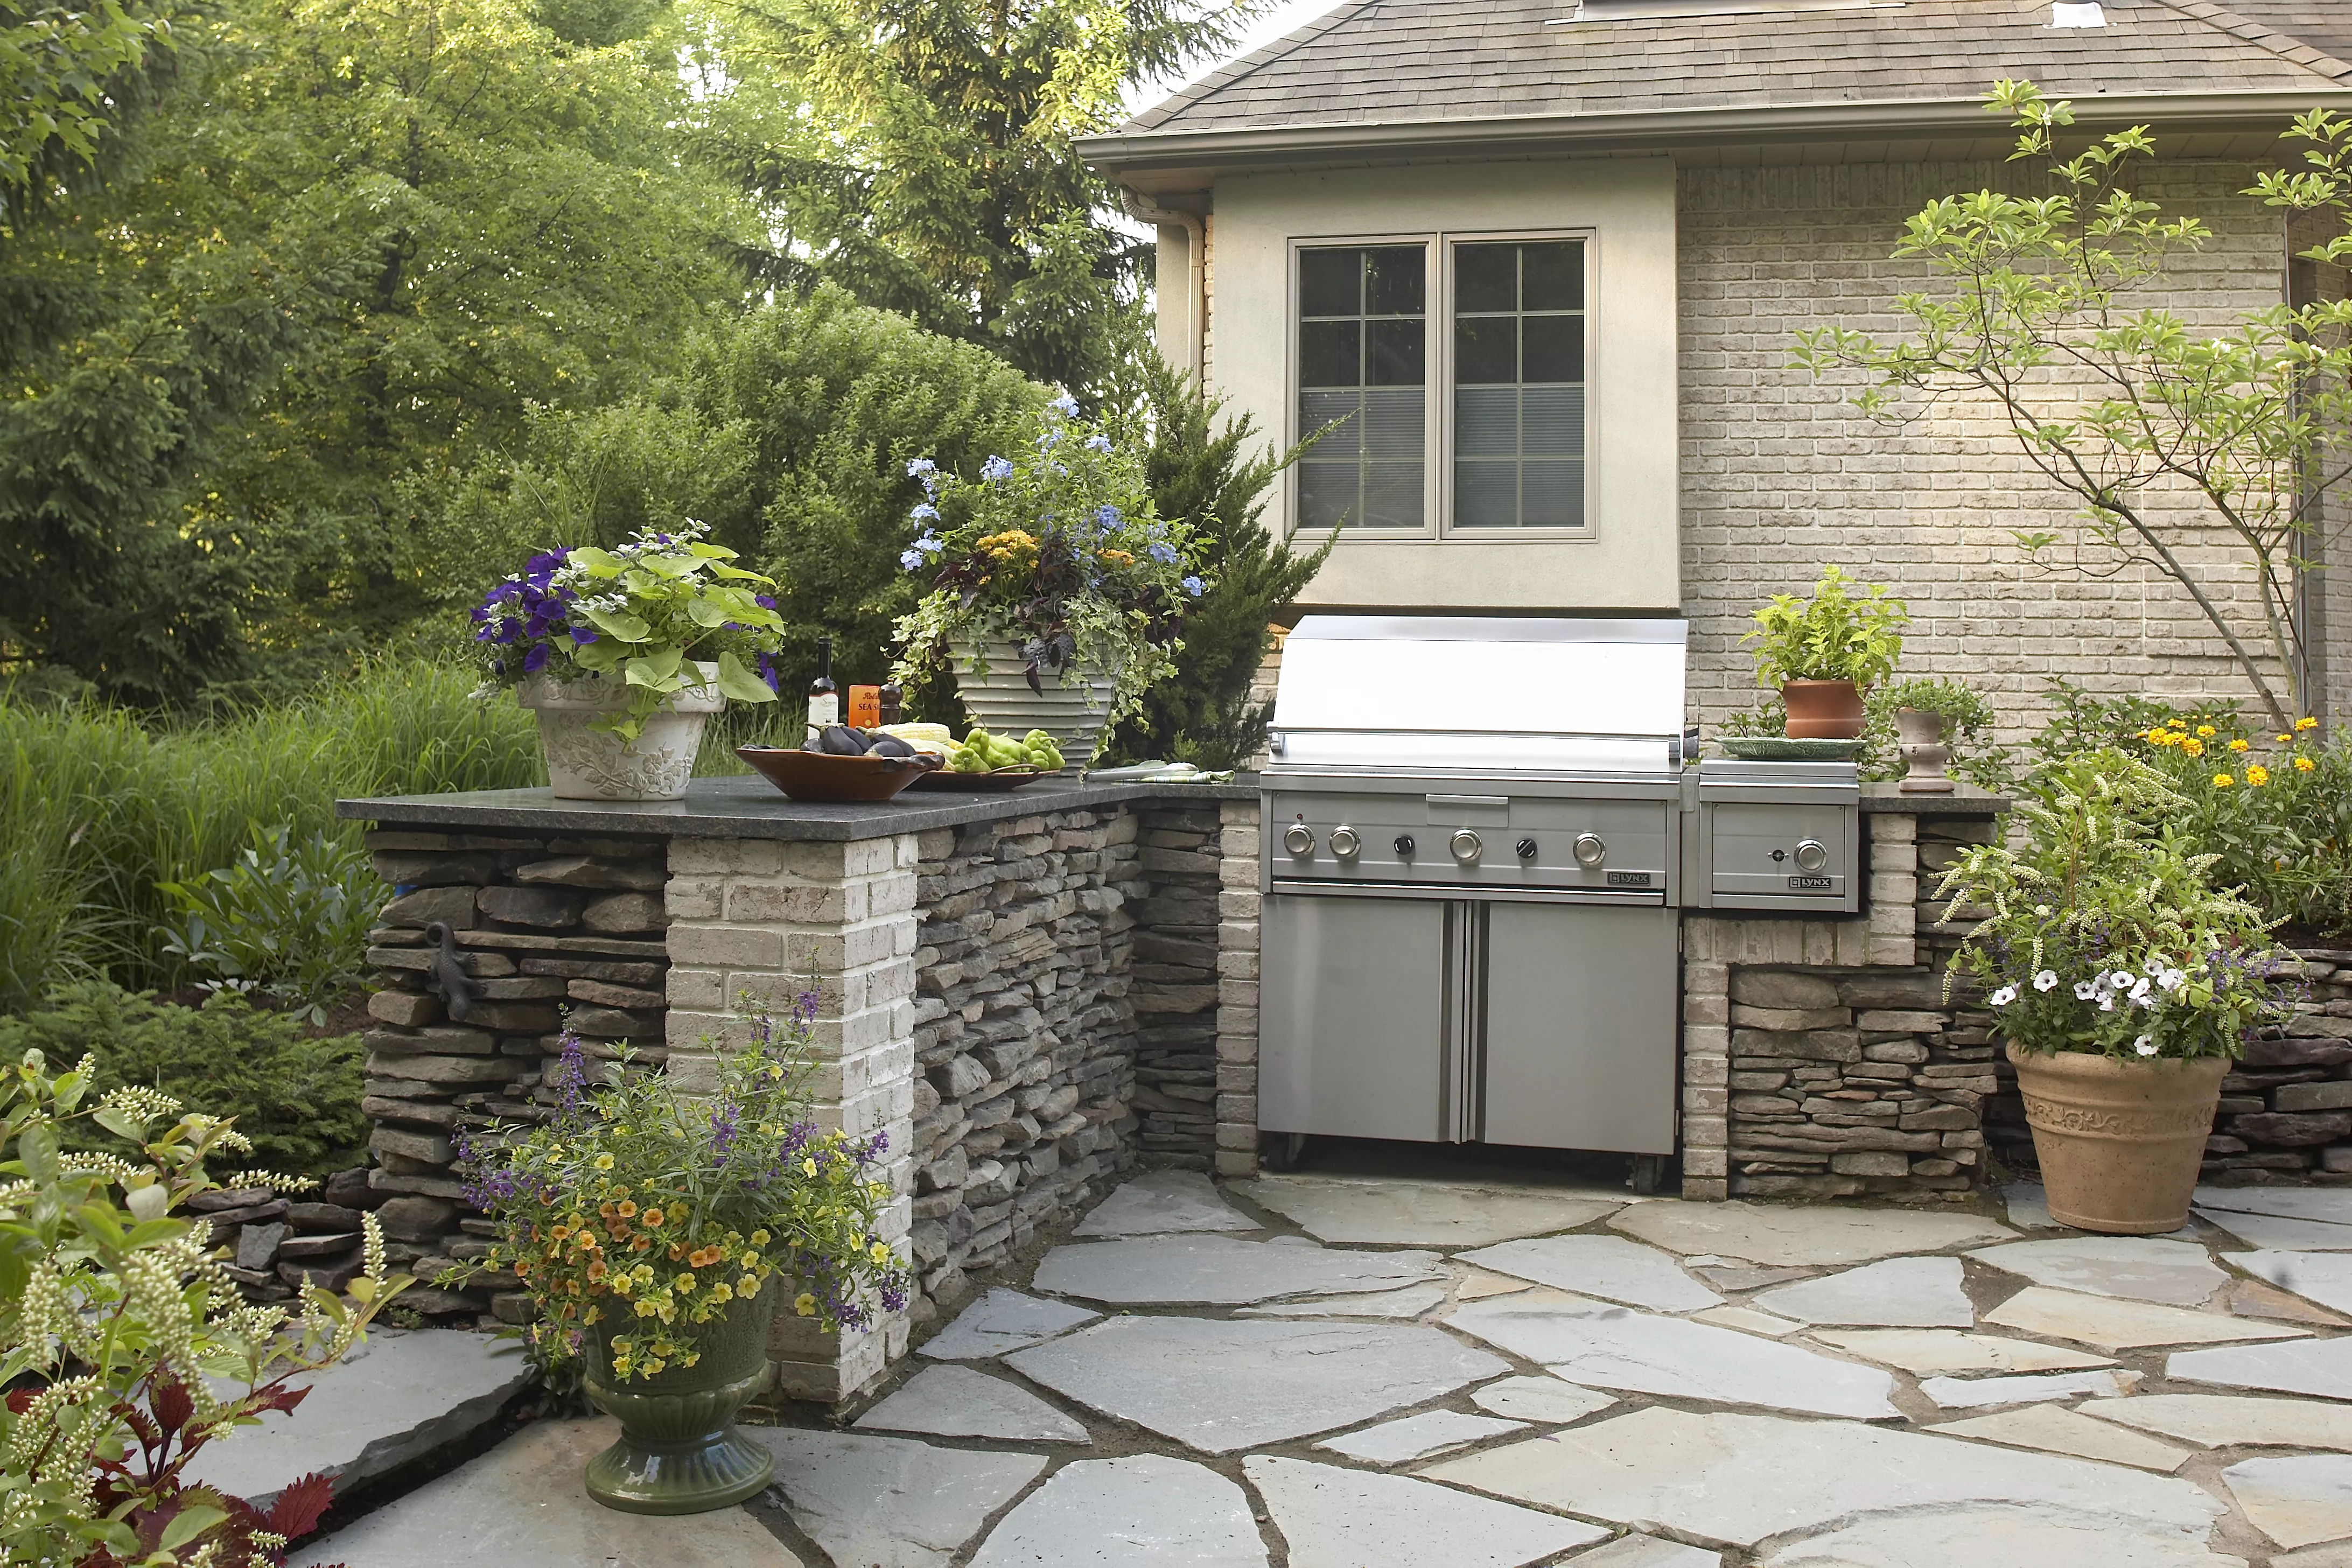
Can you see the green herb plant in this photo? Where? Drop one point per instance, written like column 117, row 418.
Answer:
column 290, row 918
column 1838, row 633
column 2097, row 934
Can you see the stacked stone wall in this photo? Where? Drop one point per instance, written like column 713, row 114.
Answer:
column 542, row 924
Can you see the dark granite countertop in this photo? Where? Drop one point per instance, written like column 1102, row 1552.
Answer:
column 1966, row 799
column 748, row 806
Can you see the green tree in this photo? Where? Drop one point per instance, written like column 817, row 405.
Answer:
column 67, row 75
column 918, row 153
column 2123, row 405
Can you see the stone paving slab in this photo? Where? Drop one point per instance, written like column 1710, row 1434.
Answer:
column 1143, row 1511
column 1608, row 1267
column 1925, row 1351
column 1222, row 1387
column 2113, row 1324
column 522, row 1505
column 1648, row 1552
column 2261, row 1299
column 1422, row 1213
column 2299, row 1501
column 1973, row 1392
column 1478, row 1282
column 957, row 1402
column 2328, row 1204
column 2275, row 1231
column 2321, row 1367
column 404, row 1393
column 1743, row 1479
column 2322, row 1276
column 2138, row 1267
column 1615, row 1347
column 1545, row 1399
column 2336, row 1557
column 1334, row 1518
column 1897, row 1293
column 2232, row 1421
column 1159, row 1202
column 1409, row 1302
column 1215, row 1271
column 1003, row 1320
column 1819, row 1235
column 1418, row 1437
column 2055, row 1429
column 1987, row 1536
column 1748, row 1319
column 887, row 1502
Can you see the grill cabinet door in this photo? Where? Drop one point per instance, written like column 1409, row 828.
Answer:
column 1579, row 1027
column 1354, row 1014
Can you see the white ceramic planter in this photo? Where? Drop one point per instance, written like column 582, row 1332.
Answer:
column 1071, row 710
column 586, row 763
column 1922, row 736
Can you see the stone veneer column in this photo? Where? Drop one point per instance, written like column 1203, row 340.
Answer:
column 1237, row 993
column 768, row 919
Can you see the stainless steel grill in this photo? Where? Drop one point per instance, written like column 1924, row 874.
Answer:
column 1473, row 858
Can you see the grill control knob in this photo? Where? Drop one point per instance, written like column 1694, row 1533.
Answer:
column 1527, row 849
column 1345, row 842
column 1404, row 843
column 1589, row 852
column 1464, row 845
column 1298, row 838
column 1812, row 855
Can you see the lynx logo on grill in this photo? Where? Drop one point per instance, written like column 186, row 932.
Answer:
column 1628, row 878
column 1809, row 884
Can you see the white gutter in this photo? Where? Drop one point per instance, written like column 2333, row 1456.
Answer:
column 1144, row 209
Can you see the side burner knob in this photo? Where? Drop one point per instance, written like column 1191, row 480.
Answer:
column 1465, row 845
column 1527, row 849
column 1298, row 838
column 1345, row 842
column 1589, row 852
column 1812, row 855
column 1404, row 844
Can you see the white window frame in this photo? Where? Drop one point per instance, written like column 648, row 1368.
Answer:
column 1437, row 358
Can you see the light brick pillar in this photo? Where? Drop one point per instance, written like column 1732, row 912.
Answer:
column 1894, row 888
column 1237, row 978
column 769, row 920
column 1706, row 1061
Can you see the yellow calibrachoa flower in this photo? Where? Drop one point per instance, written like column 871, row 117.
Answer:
column 804, row 1304
column 2257, row 775
column 2237, row 745
column 2193, row 746
column 747, row 1287
column 2221, row 781
column 603, row 1161
column 2304, row 765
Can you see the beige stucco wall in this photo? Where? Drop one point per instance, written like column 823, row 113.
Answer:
column 1627, row 205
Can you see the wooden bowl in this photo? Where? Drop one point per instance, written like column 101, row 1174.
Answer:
column 819, row 776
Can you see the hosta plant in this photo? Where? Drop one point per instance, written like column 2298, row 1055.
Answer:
column 645, row 613
column 125, row 1345
column 2099, row 935
column 638, row 1212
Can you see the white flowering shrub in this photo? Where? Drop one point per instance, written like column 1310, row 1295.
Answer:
column 2101, row 933
column 123, row 1342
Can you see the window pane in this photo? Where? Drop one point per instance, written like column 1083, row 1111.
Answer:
column 1395, row 420
column 1317, row 409
column 1485, row 278
column 1393, row 495
column 1330, row 283
column 1551, row 493
column 1486, row 493
column 1327, row 494
column 1487, row 422
column 1394, row 352
column 1551, row 421
column 1552, row 276
column 1486, row 350
column 1395, row 281
column 1327, row 354
column 1555, row 348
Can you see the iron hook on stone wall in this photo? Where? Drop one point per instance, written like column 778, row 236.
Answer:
column 445, row 976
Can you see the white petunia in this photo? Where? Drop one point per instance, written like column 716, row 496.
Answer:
column 2139, row 989
column 2121, row 978
column 2002, row 998
column 2172, row 979
column 2046, row 981
column 2145, row 1045
column 2085, row 990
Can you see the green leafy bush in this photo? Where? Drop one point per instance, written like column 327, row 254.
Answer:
column 288, row 919
column 1976, row 757
column 294, row 1097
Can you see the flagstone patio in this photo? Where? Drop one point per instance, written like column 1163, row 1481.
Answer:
column 1340, row 1373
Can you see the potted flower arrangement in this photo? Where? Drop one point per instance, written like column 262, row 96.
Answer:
column 1928, row 716
column 658, row 1232
column 2122, row 982
column 1051, row 565
column 1825, row 652
column 625, row 653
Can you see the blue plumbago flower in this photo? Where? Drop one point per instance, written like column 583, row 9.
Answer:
column 1191, row 586
column 1098, row 442
column 996, row 468
column 916, row 468
column 1163, row 553
column 926, row 512
column 909, row 558
column 1066, row 405
column 1106, row 516
column 1049, row 436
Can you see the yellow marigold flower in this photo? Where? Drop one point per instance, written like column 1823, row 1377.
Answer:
column 2257, row 775
column 2206, row 730
column 2304, row 765
column 2237, row 745
column 2286, row 737
column 2306, row 723
column 2221, row 781
column 2193, row 746
column 804, row 1304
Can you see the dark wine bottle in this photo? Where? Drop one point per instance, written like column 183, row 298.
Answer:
column 824, row 701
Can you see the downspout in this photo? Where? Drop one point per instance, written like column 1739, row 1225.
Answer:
column 1196, row 284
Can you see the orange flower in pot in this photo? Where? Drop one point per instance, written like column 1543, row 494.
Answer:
column 1825, row 652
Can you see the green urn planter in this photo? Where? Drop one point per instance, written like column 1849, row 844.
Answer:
column 679, row 1451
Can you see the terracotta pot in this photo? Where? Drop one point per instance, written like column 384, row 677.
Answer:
column 1823, row 710
column 2119, row 1141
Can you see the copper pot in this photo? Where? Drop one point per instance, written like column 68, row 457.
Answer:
column 1823, row 710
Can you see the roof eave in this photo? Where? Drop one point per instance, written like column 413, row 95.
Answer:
column 1118, row 153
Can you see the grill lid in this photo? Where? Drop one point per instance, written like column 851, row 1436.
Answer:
column 1476, row 694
